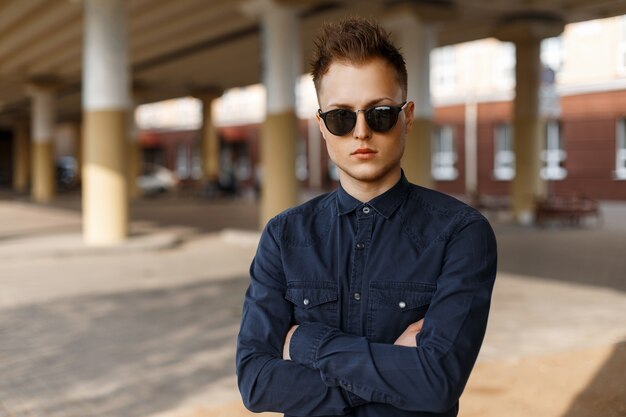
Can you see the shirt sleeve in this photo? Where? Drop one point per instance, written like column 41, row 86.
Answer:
column 266, row 381
column 432, row 376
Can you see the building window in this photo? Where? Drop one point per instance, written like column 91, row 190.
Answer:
column 504, row 155
column 553, row 155
column 505, row 65
column 444, row 154
column 552, row 53
column 183, row 166
column 620, row 157
column 443, row 76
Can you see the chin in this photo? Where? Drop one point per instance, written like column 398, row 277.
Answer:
column 368, row 174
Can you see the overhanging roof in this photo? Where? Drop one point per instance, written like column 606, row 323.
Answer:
column 180, row 46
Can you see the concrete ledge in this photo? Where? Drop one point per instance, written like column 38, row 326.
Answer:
column 71, row 244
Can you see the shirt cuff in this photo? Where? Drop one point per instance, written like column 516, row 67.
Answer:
column 305, row 342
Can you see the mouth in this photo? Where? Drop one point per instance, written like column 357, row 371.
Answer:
column 364, row 154
column 363, row 151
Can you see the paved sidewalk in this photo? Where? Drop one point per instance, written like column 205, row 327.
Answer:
column 149, row 330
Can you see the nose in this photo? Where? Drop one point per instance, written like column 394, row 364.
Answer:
column 361, row 130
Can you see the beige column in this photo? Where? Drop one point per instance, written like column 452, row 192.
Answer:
column 210, row 141
column 281, row 55
column 416, row 39
column 416, row 160
column 43, row 187
column 314, row 150
column 134, row 154
column 471, row 147
column 106, row 101
column 78, row 150
column 528, row 126
column 527, row 130
column 21, row 156
column 278, row 150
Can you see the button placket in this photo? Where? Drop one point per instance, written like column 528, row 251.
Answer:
column 364, row 224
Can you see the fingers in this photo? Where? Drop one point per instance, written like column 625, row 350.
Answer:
column 417, row 326
column 286, row 354
column 407, row 338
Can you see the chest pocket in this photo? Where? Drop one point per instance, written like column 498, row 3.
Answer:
column 313, row 302
column 395, row 305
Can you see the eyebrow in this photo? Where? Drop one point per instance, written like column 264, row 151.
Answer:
column 367, row 105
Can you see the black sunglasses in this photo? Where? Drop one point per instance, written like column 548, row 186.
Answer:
column 380, row 119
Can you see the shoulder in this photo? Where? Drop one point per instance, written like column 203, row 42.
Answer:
column 435, row 215
column 306, row 223
column 436, row 201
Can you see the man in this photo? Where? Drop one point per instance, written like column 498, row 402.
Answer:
column 371, row 300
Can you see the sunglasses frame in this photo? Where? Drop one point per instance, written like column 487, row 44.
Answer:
column 396, row 109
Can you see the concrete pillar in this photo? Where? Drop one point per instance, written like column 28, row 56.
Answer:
column 528, row 126
column 416, row 40
column 281, row 55
column 105, row 105
column 134, row 154
column 210, row 142
column 527, row 130
column 42, row 133
column 315, row 154
column 21, row 156
column 471, row 147
column 78, row 150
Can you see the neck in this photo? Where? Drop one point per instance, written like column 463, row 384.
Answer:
column 365, row 191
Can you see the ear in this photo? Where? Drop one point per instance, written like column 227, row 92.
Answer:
column 408, row 112
column 320, row 123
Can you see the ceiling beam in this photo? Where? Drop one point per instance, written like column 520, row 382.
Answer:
column 45, row 21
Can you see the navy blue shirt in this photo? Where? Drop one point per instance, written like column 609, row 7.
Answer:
column 353, row 276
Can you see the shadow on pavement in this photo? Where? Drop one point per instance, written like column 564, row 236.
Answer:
column 584, row 256
column 120, row 354
column 203, row 215
column 606, row 393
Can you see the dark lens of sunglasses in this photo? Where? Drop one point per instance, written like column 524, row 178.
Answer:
column 381, row 119
column 340, row 122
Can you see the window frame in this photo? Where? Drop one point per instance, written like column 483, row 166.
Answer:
column 443, row 162
column 553, row 155
column 501, row 170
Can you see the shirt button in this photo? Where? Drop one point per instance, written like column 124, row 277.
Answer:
column 357, row 296
column 366, row 210
column 305, row 301
column 360, row 245
column 401, row 304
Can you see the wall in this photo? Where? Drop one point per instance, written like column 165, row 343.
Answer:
column 589, row 129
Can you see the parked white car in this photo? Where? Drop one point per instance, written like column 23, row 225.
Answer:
column 157, row 179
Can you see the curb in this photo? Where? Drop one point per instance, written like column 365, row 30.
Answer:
column 71, row 245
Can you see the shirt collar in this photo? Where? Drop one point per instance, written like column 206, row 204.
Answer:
column 385, row 204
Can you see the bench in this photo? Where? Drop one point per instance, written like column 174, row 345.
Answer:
column 571, row 210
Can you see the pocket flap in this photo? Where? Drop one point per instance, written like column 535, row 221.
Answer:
column 401, row 296
column 310, row 297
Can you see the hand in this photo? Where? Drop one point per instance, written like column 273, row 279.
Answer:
column 408, row 337
column 287, row 341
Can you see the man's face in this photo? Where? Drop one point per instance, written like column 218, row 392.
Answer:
column 363, row 155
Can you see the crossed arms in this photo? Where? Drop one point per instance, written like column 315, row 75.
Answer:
column 330, row 372
column 407, row 338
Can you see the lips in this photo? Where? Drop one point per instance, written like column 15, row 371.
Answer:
column 363, row 151
column 364, row 154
